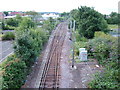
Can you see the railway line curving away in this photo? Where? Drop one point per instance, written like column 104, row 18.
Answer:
column 48, row 75
column 51, row 72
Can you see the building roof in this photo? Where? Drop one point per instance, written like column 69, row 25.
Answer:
column 15, row 13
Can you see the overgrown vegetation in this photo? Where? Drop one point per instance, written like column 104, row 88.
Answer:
column 15, row 72
column 104, row 48
column 113, row 26
column 29, row 42
column 11, row 23
column 91, row 33
column 28, row 45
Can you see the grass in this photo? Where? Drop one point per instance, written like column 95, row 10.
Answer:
column 112, row 26
column 1, row 35
column 77, row 61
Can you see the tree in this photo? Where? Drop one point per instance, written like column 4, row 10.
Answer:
column 113, row 18
column 31, row 13
column 75, row 15
column 65, row 15
column 27, row 23
column 12, row 22
column 34, row 15
column 89, row 21
column 6, row 13
column 49, row 24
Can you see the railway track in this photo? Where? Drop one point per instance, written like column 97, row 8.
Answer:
column 51, row 72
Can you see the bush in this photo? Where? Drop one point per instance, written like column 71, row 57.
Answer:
column 14, row 73
column 81, row 42
column 27, row 47
column 102, row 47
column 105, row 49
column 8, row 36
column 106, row 80
column 100, row 34
column 28, row 44
column 49, row 24
column 79, row 37
column 26, row 23
column 78, row 45
column 8, row 27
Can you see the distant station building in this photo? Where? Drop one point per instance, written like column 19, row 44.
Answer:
column 48, row 15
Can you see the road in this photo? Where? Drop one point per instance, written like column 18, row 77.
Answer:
column 4, row 31
column 6, row 48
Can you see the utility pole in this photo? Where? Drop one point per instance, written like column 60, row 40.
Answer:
column 73, row 39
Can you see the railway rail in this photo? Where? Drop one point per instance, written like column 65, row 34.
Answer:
column 51, row 72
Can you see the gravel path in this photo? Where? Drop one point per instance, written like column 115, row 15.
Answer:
column 81, row 75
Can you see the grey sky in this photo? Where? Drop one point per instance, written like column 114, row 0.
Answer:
column 103, row 6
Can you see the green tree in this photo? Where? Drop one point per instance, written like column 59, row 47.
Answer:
column 49, row 24
column 26, row 23
column 113, row 18
column 18, row 19
column 34, row 15
column 65, row 15
column 14, row 21
column 89, row 21
column 11, row 22
column 75, row 15
column 31, row 13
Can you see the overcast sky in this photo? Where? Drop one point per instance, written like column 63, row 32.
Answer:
column 103, row 6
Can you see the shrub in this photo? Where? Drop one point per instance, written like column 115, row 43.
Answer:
column 100, row 34
column 14, row 73
column 8, row 27
column 105, row 49
column 78, row 45
column 27, row 47
column 105, row 80
column 26, row 23
column 49, row 24
column 28, row 44
column 8, row 36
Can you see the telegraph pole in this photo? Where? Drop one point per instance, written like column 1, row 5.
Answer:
column 73, row 39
